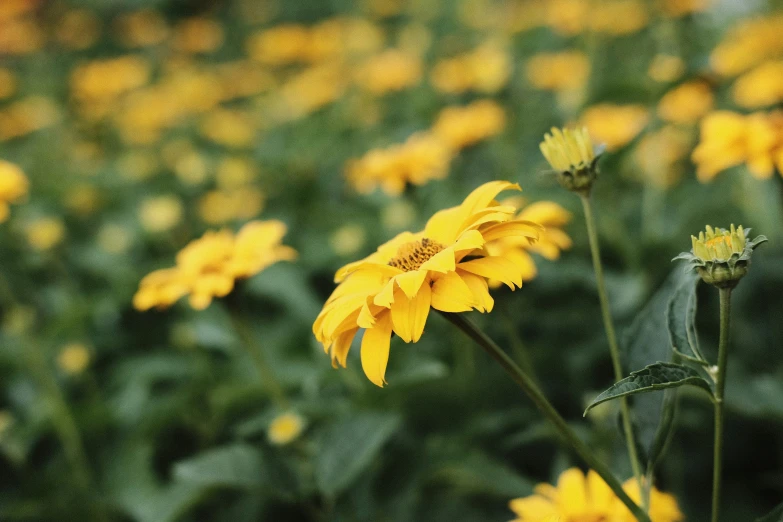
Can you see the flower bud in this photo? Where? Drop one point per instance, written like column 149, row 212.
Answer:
column 570, row 152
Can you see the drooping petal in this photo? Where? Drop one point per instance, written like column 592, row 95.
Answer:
column 526, row 229
column 494, row 268
column 451, row 294
column 572, row 491
column 469, row 240
column 341, row 346
column 483, row 195
column 385, row 297
column 410, row 282
column 480, row 290
column 375, row 349
column 441, row 262
column 410, row 315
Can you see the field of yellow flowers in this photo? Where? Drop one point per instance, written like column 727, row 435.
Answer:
column 242, row 241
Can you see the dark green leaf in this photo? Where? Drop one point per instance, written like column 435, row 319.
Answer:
column 776, row 515
column 349, row 447
column 658, row 376
column 680, row 318
column 238, row 466
column 478, row 473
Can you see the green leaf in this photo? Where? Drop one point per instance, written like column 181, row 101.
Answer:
column 681, row 317
column 235, row 466
column 480, row 474
column 665, row 431
column 349, row 447
column 658, row 376
column 776, row 515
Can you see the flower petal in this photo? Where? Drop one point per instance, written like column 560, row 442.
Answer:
column 341, row 346
column 451, row 294
column 494, row 268
column 385, row 297
column 410, row 282
column 375, row 349
column 479, row 288
column 512, row 228
column 441, row 262
column 410, row 315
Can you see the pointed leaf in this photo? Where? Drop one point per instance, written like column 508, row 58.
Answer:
column 681, row 317
column 236, row 466
column 776, row 515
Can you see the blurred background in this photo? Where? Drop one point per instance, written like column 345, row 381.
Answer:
column 141, row 124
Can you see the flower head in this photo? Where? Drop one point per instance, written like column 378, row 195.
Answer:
column 580, row 498
column 444, row 267
column 13, row 186
column 285, row 428
column 570, row 152
column 722, row 256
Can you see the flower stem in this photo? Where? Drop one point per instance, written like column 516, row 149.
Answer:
column 612, row 338
column 541, row 402
column 255, row 351
column 720, row 386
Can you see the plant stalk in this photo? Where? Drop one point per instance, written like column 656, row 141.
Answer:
column 630, row 440
column 720, row 386
column 252, row 347
column 543, row 404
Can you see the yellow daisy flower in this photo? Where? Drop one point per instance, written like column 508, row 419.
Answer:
column 444, row 267
column 580, row 498
column 13, row 187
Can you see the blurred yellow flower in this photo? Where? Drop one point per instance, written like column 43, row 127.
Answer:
column 234, row 172
column 198, row 35
column 676, row 8
column 78, row 29
column 160, row 213
column 73, row 358
column 18, row 319
column 191, row 167
column 280, row 45
column 104, row 80
column 230, row 128
column 658, row 154
column 45, row 233
column 567, row 17
column 729, row 139
column 580, row 498
column 137, row 164
column 443, row 267
column 390, row 71
column 114, row 238
column 486, row 69
column 749, row 43
column 347, row 239
column 618, row 17
column 423, row 157
column 20, row 35
column 141, row 28
column 13, row 187
column 686, row 103
column 461, row 127
column 285, row 428
column 82, row 199
column 218, row 207
column 207, row 267
column 760, row 86
column 561, row 71
column 614, row 125
column 27, row 115
column 311, row 90
column 666, row 68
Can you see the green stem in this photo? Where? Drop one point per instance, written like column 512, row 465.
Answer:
column 541, row 402
column 255, row 351
column 612, row 338
column 720, row 386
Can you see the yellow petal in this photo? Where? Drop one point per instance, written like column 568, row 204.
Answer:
column 483, row 195
column 601, row 495
column 573, row 492
column 533, row 508
column 512, row 228
column 441, row 262
column 410, row 315
column 375, row 349
column 494, row 268
column 341, row 346
column 480, row 290
column 451, row 294
column 385, row 297
column 469, row 240
column 410, row 282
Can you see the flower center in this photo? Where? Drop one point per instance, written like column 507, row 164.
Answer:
column 410, row 256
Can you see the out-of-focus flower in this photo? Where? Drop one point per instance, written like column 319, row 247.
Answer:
column 114, row 238
column 311, row 90
column 485, row 69
column 207, row 267
column 137, row 164
column 676, row 8
column 421, row 158
column 614, row 125
column 105, row 80
column 82, row 199
column 141, row 28
column 221, row 206
column 234, row 172
column 666, row 68
column 747, row 44
column 347, row 239
column 280, row 45
column 27, row 115
column 658, row 154
column 73, row 358
column 160, row 213
column 13, row 187
column 243, row 78
column 18, row 319
column 6, row 421
column 20, row 35
column 729, row 139
column 442, row 267
column 390, row 71
column 567, row 17
column 398, row 215
column 414, row 38
column 461, row 127
column 686, row 103
column 230, row 128
column 760, row 87
column 285, row 428
column 618, row 17
column 191, row 168
column 562, row 71
column 7, row 83
column 586, row 498
column 78, row 29
column 44, row 233
column 198, row 35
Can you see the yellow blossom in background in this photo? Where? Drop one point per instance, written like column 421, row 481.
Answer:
column 347, row 239
column 580, row 498
column 82, row 199
column 285, row 428
column 27, row 115
column 676, row 8
column 141, row 28
column 567, row 17
column 78, row 29
column 198, row 35
column 729, row 139
column 45, row 233
column 7, row 83
column 760, row 86
column 666, row 68
column 443, row 267
column 73, row 358
column 423, row 157
column 160, row 213
column 618, row 17
column 227, row 127
column 686, row 103
column 614, row 125
column 191, row 168
column 218, row 207
column 460, row 127
column 137, row 164
column 485, row 69
column 243, row 78
column 234, row 172
column 658, row 154
column 13, row 186
column 311, row 90
column 208, row 267
column 280, row 45
column 747, row 44
column 414, row 38
column 562, row 71
column 114, row 238
column 398, row 215
column 18, row 319
column 21, row 34
column 105, row 80
column 389, row 71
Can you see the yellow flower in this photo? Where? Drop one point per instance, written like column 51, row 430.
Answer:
column 161, row 213
column 567, row 17
column 389, row 71
column 234, row 172
column 311, row 90
column 141, row 28
column 676, row 8
column 686, row 103
column 461, row 127
column 198, row 35
column 659, row 153
column 729, row 139
column 285, row 428
column 485, row 69
column 615, row 125
column 221, row 206
column 568, row 150
column 666, row 68
column 230, row 128
column 73, row 358
column 443, row 267
column 551, row 240
column 207, row 267
column 45, row 233
column 747, row 44
column 114, row 238
column 761, row 86
column 618, row 17
column 27, row 115
column 580, row 498
column 563, row 71
column 347, row 239
column 13, row 186
column 106, row 79
column 279, row 45
column 421, row 158
column 78, row 29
